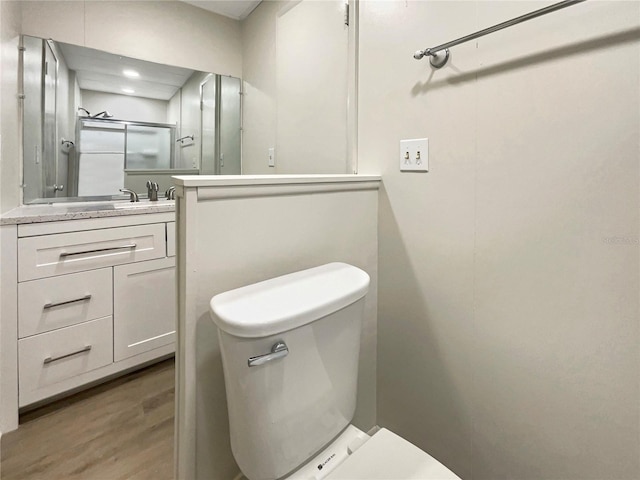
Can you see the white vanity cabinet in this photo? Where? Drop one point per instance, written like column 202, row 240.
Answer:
column 92, row 297
column 143, row 293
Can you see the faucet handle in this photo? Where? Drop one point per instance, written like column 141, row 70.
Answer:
column 152, row 190
column 133, row 196
column 170, row 193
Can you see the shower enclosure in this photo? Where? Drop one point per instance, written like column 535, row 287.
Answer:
column 111, row 154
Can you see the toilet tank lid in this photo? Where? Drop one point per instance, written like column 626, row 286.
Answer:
column 290, row 301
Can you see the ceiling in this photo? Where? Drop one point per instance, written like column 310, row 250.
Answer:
column 236, row 9
column 103, row 72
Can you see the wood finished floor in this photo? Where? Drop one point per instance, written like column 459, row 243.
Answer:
column 120, row 430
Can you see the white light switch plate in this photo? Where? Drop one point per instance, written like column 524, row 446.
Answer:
column 414, row 155
column 272, row 157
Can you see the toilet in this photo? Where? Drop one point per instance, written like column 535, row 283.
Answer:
column 290, row 348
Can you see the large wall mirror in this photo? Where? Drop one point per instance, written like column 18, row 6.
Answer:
column 95, row 122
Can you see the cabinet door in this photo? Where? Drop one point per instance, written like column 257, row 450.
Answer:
column 171, row 239
column 144, row 307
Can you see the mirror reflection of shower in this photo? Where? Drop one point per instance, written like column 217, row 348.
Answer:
column 114, row 154
column 150, row 124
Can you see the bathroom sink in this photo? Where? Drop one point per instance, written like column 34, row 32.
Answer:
column 102, row 206
column 87, row 208
column 143, row 204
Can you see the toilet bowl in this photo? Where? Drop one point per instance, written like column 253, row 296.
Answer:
column 354, row 455
column 290, row 347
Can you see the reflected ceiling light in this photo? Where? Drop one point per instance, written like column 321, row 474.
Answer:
column 128, row 90
column 131, row 73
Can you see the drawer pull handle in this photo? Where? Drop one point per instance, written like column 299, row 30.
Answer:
column 51, row 305
column 55, row 359
column 98, row 250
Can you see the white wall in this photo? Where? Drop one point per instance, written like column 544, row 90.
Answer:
column 311, row 88
column 125, row 107
column 230, row 126
column 265, row 234
column 168, row 32
column 295, row 80
column 10, row 14
column 259, row 87
column 508, row 317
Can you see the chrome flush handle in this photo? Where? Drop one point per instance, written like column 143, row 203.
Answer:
column 279, row 350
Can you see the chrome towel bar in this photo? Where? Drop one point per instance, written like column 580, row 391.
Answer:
column 439, row 60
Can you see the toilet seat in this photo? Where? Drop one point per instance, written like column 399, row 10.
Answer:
column 354, row 455
column 387, row 456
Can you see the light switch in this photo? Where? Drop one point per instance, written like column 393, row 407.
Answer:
column 414, row 155
column 272, row 157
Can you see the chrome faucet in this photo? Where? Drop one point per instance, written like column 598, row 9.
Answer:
column 170, row 194
column 133, row 196
column 152, row 190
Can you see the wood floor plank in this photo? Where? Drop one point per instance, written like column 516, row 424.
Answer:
column 119, row 430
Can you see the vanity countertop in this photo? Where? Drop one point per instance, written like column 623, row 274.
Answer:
column 76, row 210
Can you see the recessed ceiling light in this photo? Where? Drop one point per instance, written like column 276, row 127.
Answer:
column 131, row 73
column 128, row 90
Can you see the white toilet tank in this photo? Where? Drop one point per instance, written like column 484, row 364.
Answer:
column 301, row 333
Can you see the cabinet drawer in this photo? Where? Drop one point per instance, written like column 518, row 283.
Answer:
column 171, row 239
column 144, row 307
column 50, row 255
column 52, row 357
column 51, row 303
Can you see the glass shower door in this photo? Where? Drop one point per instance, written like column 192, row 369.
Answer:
column 149, row 147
